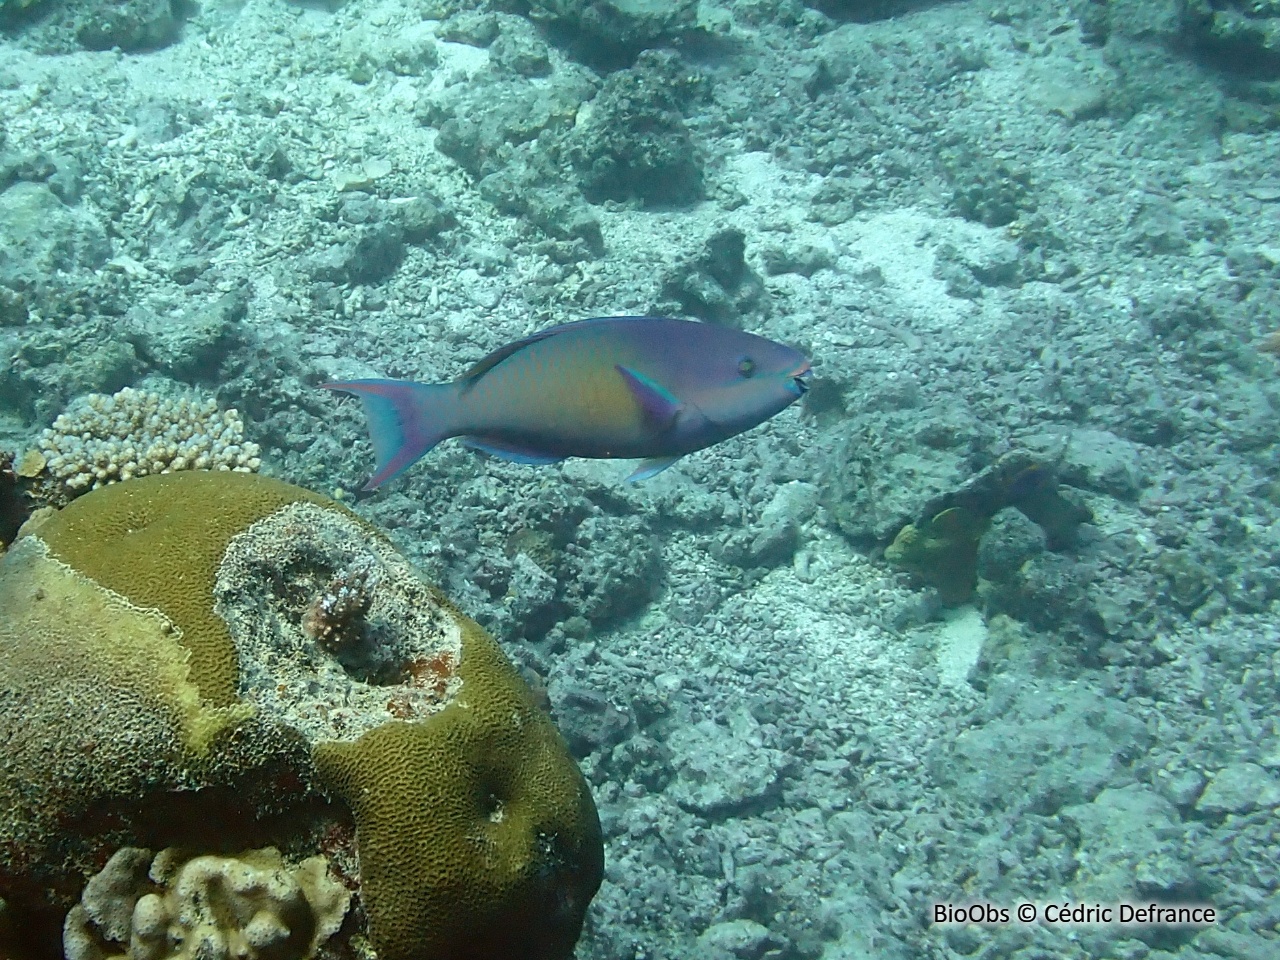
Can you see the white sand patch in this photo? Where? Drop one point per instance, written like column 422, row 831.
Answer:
column 959, row 645
column 901, row 245
column 766, row 183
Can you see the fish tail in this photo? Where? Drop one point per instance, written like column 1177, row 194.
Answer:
column 406, row 419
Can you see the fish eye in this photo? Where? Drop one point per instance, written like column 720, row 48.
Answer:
column 746, row 366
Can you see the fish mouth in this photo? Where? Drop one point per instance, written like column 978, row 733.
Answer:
column 800, row 378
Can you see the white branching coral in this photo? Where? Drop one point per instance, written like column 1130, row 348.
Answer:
column 251, row 907
column 102, row 439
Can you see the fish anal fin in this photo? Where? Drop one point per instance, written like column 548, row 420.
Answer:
column 650, row 468
column 514, row 452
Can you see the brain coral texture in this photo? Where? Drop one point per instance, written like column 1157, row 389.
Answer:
column 221, row 661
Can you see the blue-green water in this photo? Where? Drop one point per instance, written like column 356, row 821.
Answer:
column 831, row 679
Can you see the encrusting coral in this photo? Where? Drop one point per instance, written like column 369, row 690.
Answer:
column 941, row 548
column 222, row 661
column 104, row 438
column 252, row 906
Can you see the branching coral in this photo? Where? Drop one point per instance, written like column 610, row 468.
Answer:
column 251, row 907
column 133, row 433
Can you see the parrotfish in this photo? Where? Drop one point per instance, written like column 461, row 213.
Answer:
column 651, row 388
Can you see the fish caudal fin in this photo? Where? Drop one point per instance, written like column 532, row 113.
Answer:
column 406, row 419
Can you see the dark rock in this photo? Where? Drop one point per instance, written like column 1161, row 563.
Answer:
column 608, row 34
column 193, row 347
column 135, row 25
column 1242, row 37
column 634, row 144
column 471, row 27
column 988, row 190
column 422, row 218
column 588, row 720
column 371, row 257
column 518, row 49
column 1011, row 541
column 41, row 237
column 556, row 209
column 717, row 286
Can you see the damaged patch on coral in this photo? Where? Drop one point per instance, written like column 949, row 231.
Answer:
column 336, row 633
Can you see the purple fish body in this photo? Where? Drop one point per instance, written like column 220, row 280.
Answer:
column 624, row 387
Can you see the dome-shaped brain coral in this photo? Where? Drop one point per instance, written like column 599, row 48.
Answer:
column 481, row 838
column 212, row 661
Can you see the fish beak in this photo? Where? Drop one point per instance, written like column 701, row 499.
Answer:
column 800, row 378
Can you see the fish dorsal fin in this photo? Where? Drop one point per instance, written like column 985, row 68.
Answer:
column 487, row 363
column 659, row 404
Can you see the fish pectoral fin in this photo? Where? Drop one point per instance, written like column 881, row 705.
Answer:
column 650, row 468
column 514, row 452
column 659, row 404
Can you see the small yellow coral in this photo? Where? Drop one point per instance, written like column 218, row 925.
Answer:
column 942, row 551
column 30, row 464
